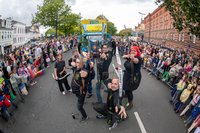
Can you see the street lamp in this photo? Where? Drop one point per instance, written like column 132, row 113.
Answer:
column 142, row 14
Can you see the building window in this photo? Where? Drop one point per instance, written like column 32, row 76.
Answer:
column 172, row 26
column 179, row 37
column 182, row 37
column 194, row 39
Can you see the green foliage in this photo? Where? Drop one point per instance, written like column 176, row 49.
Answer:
column 125, row 32
column 49, row 13
column 50, row 31
column 102, row 17
column 186, row 14
column 111, row 28
column 110, row 25
column 57, row 15
column 70, row 24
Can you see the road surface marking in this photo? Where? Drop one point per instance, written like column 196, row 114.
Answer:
column 140, row 122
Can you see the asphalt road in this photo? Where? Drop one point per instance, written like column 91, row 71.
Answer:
column 46, row 110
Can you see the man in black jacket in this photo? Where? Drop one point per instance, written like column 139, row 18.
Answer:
column 103, row 63
column 112, row 110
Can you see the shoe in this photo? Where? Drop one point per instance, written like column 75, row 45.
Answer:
column 101, row 116
column 89, row 95
column 129, row 106
column 63, row 93
column 70, row 90
column 83, row 119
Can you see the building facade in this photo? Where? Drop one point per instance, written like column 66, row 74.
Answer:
column 30, row 34
column 19, row 34
column 159, row 29
column 140, row 28
column 6, row 37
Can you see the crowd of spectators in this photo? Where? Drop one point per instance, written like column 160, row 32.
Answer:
column 180, row 70
column 20, row 68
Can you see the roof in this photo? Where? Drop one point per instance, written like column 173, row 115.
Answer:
column 15, row 22
column 2, row 28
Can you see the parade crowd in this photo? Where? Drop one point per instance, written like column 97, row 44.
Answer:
column 180, row 70
column 20, row 68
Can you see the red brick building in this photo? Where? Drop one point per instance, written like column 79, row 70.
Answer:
column 159, row 30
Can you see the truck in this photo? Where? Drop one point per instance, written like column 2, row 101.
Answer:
column 94, row 35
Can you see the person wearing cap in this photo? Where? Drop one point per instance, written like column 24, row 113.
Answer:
column 132, row 74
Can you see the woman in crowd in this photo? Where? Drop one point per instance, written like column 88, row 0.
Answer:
column 132, row 74
column 60, row 74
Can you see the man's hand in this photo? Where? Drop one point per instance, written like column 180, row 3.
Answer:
column 103, row 55
column 91, row 64
column 122, row 112
column 125, row 56
column 56, row 77
column 83, row 74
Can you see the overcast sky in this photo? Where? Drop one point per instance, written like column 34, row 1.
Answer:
column 119, row 12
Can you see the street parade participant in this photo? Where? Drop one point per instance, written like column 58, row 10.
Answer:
column 60, row 74
column 89, row 65
column 103, row 63
column 111, row 110
column 79, row 85
column 132, row 74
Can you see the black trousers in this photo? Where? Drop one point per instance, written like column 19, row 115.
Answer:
column 114, row 51
column 101, row 108
column 60, row 82
column 80, row 103
column 129, row 95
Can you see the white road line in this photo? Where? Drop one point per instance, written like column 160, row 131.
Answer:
column 143, row 130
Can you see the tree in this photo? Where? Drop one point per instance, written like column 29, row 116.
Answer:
column 70, row 23
column 186, row 14
column 49, row 14
column 125, row 32
column 111, row 29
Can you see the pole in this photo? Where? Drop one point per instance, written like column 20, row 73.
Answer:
column 129, row 45
column 102, row 33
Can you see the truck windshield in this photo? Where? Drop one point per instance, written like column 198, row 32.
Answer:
column 95, row 38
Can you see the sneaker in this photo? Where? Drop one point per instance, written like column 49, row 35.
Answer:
column 83, row 119
column 70, row 90
column 100, row 116
column 63, row 93
column 129, row 106
column 89, row 95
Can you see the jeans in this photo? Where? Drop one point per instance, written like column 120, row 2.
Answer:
column 98, row 90
column 80, row 103
column 89, row 87
column 60, row 82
